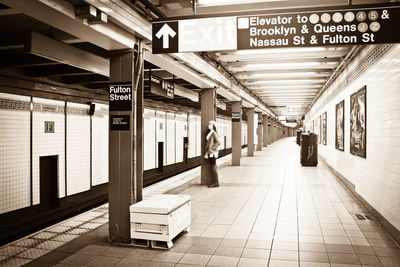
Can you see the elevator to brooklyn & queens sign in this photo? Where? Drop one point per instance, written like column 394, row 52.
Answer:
column 348, row 25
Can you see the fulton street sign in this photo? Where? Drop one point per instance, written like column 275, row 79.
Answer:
column 349, row 25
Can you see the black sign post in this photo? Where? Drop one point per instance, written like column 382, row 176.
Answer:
column 235, row 116
column 161, row 87
column 119, row 122
column 339, row 26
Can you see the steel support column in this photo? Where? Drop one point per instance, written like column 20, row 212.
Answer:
column 208, row 113
column 250, row 132
column 121, row 154
column 237, row 135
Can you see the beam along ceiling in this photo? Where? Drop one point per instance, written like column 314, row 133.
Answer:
column 286, row 79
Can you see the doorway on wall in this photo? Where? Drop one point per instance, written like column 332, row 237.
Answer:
column 160, row 156
column 48, row 183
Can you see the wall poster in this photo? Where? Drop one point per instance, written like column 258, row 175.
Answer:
column 319, row 129
column 358, row 123
column 323, row 128
column 339, row 132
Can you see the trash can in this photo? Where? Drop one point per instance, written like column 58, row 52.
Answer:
column 298, row 136
column 309, row 149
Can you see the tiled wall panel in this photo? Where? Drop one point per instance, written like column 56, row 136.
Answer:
column 160, row 134
column 192, row 136
column 78, row 149
column 376, row 177
column 181, row 132
column 100, row 145
column 198, row 135
column 244, row 133
column 170, row 138
column 48, row 144
column 14, row 156
column 149, row 139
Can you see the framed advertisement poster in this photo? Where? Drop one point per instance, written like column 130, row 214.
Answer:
column 319, row 129
column 358, row 123
column 323, row 128
column 339, row 130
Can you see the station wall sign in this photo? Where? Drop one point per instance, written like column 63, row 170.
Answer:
column 235, row 116
column 161, row 87
column 119, row 122
column 349, row 25
column 120, row 97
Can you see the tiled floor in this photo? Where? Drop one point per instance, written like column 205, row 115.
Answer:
column 268, row 212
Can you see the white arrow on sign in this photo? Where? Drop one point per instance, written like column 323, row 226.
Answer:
column 165, row 32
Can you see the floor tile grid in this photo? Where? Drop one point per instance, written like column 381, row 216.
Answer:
column 30, row 251
column 313, row 197
column 260, row 180
column 347, row 246
column 297, row 215
column 277, row 215
column 340, row 189
column 289, row 184
column 269, row 182
column 63, row 237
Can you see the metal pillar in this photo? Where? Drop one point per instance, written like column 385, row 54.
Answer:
column 236, row 134
column 208, row 113
column 265, row 130
column 259, row 131
column 250, row 132
column 121, row 153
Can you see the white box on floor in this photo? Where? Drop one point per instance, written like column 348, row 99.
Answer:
column 160, row 218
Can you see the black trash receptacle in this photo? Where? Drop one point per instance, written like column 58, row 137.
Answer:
column 309, row 149
column 298, row 136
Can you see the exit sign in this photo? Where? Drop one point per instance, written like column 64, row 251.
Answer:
column 208, row 34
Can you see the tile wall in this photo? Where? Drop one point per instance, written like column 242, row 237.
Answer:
column 48, row 144
column 78, row 148
column 170, row 138
column 149, row 142
column 100, row 145
column 376, row 177
column 14, row 155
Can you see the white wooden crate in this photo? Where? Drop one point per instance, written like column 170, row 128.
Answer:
column 160, row 218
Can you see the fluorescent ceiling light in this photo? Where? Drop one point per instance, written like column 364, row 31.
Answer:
column 289, row 74
column 105, row 9
column 281, row 50
column 276, row 65
column 282, row 87
column 287, row 81
column 227, row 2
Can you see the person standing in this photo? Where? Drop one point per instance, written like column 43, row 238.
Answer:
column 211, row 154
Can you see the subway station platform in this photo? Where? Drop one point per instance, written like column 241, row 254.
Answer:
column 268, row 212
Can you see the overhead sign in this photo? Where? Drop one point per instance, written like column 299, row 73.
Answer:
column 208, row 34
column 348, row 26
column 161, row 87
column 120, row 97
column 322, row 27
column 165, row 39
